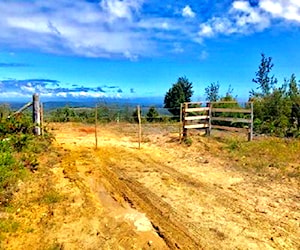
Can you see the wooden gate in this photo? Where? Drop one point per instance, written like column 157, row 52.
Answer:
column 211, row 115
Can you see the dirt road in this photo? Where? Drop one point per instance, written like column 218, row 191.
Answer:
column 191, row 199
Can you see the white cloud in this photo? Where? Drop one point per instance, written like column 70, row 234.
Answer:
column 79, row 27
column 241, row 5
column 28, row 89
column 85, row 94
column 62, row 94
column 274, row 8
column 285, row 9
column 120, row 9
column 242, row 18
column 129, row 28
column 188, row 12
column 14, row 94
column 109, row 28
column 206, row 30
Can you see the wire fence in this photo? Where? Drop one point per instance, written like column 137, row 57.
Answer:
column 153, row 118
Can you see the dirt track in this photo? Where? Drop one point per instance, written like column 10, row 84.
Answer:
column 192, row 199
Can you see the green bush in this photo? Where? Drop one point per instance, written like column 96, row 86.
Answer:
column 152, row 115
column 18, row 152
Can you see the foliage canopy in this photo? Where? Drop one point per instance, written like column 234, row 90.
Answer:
column 180, row 92
column 212, row 92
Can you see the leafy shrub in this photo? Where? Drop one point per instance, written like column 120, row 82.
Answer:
column 18, row 149
column 152, row 115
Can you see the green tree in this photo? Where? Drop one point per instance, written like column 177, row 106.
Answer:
column 152, row 114
column 212, row 92
column 265, row 83
column 135, row 115
column 233, row 104
column 294, row 95
column 180, row 92
column 294, row 91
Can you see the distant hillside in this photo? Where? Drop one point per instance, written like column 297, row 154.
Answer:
column 91, row 102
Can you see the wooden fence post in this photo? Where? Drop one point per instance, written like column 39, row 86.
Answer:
column 36, row 114
column 184, row 132
column 180, row 123
column 42, row 117
column 140, row 125
column 96, row 123
column 208, row 130
column 250, row 135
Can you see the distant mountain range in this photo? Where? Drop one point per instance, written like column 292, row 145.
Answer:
column 91, row 102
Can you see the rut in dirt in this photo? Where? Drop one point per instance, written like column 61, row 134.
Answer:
column 168, row 225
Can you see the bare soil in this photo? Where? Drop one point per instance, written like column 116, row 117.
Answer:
column 163, row 196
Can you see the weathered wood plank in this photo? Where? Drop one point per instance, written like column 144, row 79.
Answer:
column 27, row 105
column 221, row 102
column 231, row 119
column 196, row 126
column 229, row 110
column 140, row 125
column 234, row 129
column 197, row 109
column 194, row 103
column 197, row 117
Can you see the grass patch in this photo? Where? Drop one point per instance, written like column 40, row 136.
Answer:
column 277, row 155
column 188, row 141
column 8, row 225
column 55, row 246
column 51, row 197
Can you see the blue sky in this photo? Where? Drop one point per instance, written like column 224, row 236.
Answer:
column 138, row 48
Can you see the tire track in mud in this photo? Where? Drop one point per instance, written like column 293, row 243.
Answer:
column 230, row 199
column 164, row 220
column 185, row 179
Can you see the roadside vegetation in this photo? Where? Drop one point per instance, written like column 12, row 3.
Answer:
column 20, row 152
column 267, row 156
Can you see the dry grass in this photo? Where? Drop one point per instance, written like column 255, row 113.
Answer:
column 277, row 157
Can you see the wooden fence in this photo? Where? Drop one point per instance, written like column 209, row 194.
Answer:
column 215, row 115
column 37, row 113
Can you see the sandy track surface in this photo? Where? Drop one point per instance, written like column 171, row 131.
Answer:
column 172, row 196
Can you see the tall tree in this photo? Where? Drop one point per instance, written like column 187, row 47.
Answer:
column 152, row 115
column 294, row 95
column 294, row 91
column 212, row 92
column 266, row 83
column 180, row 92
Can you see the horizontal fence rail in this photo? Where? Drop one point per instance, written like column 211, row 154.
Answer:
column 225, row 115
column 229, row 110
